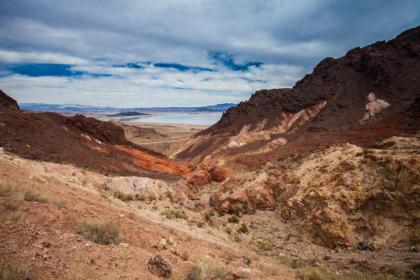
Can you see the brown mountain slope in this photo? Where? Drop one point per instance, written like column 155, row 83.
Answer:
column 325, row 106
column 84, row 142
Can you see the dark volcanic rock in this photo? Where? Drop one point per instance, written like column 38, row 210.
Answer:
column 7, row 102
column 158, row 265
column 390, row 69
column 325, row 107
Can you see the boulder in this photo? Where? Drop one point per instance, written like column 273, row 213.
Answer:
column 159, row 266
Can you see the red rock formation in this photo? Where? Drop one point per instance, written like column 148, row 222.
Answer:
column 84, row 142
column 390, row 69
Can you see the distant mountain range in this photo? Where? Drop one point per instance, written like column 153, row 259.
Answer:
column 72, row 108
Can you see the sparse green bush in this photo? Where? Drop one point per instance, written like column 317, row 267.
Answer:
column 13, row 272
column 233, row 219
column 33, row 196
column 6, row 190
column 269, row 269
column 171, row 214
column 242, row 228
column 10, row 216
column 208, row 217
column 206, row 270
column 264, row 245
column 98, row 231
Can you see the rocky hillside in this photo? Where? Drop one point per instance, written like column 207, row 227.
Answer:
column 332, row 102
column 85, row 142
column 7, row 102
column 341, row 196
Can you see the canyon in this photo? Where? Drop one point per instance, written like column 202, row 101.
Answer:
column 318, row 181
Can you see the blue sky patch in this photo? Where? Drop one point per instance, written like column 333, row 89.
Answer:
column 50, row 69
column 182, row 67
column 44, row 69
column 228, row 60
column 132, row 65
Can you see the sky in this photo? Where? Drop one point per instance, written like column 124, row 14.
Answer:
column 179, row 52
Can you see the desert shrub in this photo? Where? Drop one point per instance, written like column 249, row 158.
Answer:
column 264, row 245
column 269, row 269
column 228, row 256
column 233, row 219
column 123, row 196
column 60, row 204
column 198, row 223
column 13, row 272
column 317, row 273
column 242, row 228
column 171, row 214
column 33, row 196
column 10, row 205
column 10, row 216
column 205, row 270
column 98, row 231
column 6, row 190
column 185, row 256
column 208, row 217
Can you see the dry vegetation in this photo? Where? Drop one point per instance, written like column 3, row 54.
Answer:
column 99, row 231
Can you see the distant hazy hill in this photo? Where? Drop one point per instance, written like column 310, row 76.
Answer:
column 74, row 108
column 127, row 114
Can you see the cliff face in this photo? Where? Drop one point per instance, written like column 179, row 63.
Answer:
column 338, row 88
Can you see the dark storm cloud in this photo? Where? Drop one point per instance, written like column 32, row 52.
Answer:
column 220, row 43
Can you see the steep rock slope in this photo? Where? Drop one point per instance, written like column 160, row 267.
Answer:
column 330, row 102
column 7, row 102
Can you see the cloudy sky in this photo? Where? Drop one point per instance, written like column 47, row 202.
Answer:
column 176, row 52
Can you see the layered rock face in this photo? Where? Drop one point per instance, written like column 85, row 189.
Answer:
column 331, row 100
column 339, row 196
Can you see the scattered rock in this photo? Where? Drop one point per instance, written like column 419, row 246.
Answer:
column 158, row 265
column 125, row 245
column 46, row 244
column 246, row 260
column 162, row 244
column 243, row 273
column 171, row 240
column 365, row 245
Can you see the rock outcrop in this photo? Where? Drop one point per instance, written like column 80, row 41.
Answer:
column 7, row 102
column 159, row 266
column 324, row 107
